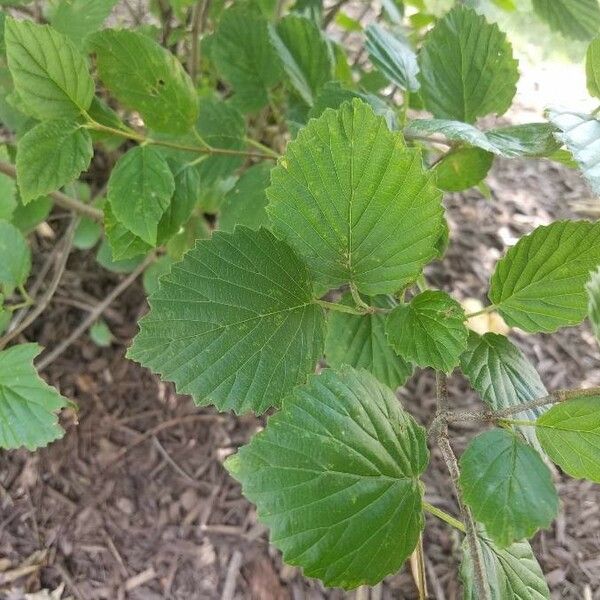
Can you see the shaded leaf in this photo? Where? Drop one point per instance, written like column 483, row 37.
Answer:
column 78, row 18
column 508, row 486
column 539, row 285
column 234, row 324
column 355, row 202
column 593, row 291
column 16, row 256
column 429, row 331
column 360, row 341
column 463, row 168
column 577, row 19
column 467, row 68
column 335, row 477
column 28, row 406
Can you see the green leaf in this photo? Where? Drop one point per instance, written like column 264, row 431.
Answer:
column 157, row 269
column 335, row 477
column 463, row 168
column 139, row 191
column 28, row 406
column 79, row 18
column 221, row 126
column 530, row 140
column 245, row 203
column 101, row 335
column 569, row 434
column 27, row 217
column 123, row 244
column 592, row 68
column 8, row 200
column 16, row 256
column 539, row 285
column 429, row 331
column 234, row 324
column 355, row 202
column 105, row 260
column 512, row 573
column 577, row 19
column 360, row 341
column 243, row 53
column 393, row 57
column 467, row 68
column 144, row 76
column 593, row 291
column 50, row 74
column 580, row 133
column 87, row 234
column 51, row 155
column 307, row 71
column 508, row 486
column 502, row 376
column 456, row 131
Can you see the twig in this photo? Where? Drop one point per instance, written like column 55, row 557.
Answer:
column 452, row 466
column 60, row 198
column 328, row 18
column 93, row 315
column 199, row 15
column 172, row 462
column 235, row 562
column 553, row 398
column 43, row 302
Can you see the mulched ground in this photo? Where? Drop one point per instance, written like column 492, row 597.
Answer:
column 134, row 503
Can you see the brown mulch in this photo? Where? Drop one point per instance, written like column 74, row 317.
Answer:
column 134, row 503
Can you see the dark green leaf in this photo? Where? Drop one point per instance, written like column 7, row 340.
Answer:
column 16, row 256
column 539, row 285
column 508, row 486
column 355, row 202
column 335, row 477
column 463, row 168
column 28, row 406
column 429, row 331
column 467, row 68
column 234, row 324
column 360, row 341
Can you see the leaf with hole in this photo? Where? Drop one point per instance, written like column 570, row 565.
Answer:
column 569, row 433
column 539, row 285
column 335, row 475
column 429, row 331
column 467, row 69
column 28, row 406
column 234, row 324
column 51, row 155
column 50, row 74
column 355, row 202
column 360, row 341
column 507, row 486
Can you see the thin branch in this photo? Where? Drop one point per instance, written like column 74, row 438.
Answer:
column 333, row 11
column 43, row 302
column 444, row 516
column 199, row 17
column 553, row 398
column 94, row 314
column 483, row 311
column 452, row 466
column 60, row 198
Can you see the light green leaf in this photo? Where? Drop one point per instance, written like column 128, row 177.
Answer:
column 50, row 74
column 26, row 217
column 100, row 334
column 502, row 376
column 8, row 200
column 539, row 285
column 87, row 234
column 429, row 331
column 16, row 256
column 78, row 18
column 580, row 133
column 531, row 140
column 221, row 126
column 28, row 406
column 105, row 260
column 463, row 168
column 360, row 341
column 139, row 191
column 123, row 244
column 307, row 70
column 393, row 56
column 508, row 486
column 577, row 19
column 455, row 131
column 243, row 53
column 234, row 324
column 51, row 155
column 145, row 77
column 593, row 291
column 335, row 477
column 355, row 202
column 467, row 68
column 245, row 203
column 592, row 68
column 512, row 573
column 569, row 434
